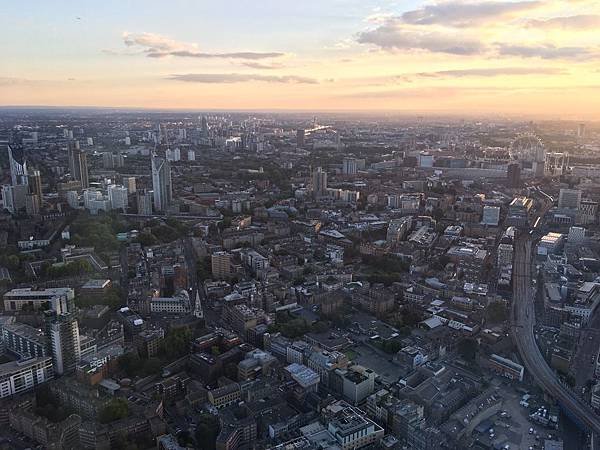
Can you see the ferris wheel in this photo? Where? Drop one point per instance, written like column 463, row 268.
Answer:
column 528, row 147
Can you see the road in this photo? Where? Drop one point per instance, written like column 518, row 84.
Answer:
column 522, row 323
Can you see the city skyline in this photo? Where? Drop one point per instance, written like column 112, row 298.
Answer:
column 502, row 57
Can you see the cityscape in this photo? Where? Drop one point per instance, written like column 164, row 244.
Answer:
column 200, row 249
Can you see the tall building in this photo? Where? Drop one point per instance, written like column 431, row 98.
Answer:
column 118, row 197
column 63, row 336
column 513, row 174
column 15, row 197
column 35, row 183
column 204, row 126
column 319, row 182
column 349, row 166
column 144, row 202
column 569, row 198
column 18, row 165
column 220, row 265
column 130, row 184
column 300, row 134
column 32, row 204
column 581, row 130
column 78, row 164
column 161, row 183
column 588, row 212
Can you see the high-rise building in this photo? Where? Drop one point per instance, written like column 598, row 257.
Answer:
column 349, row 166
column 191, row 155
column 569, row 198
column 319, row 182
column 118, row 197
column 130, row 184
column 144, row 202
column 78, row 164
column 14, row 197
column 491, row 215
column 581, row 130
column 588, row 212
column 35, row 183
column 300, row 134
column 32, row 204
column 161, row 183
column 18, row 165
column 220, row 265
column 205, row 126
column 513, row 174
column 63, row 337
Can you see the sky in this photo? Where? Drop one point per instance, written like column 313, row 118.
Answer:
column 519, row 57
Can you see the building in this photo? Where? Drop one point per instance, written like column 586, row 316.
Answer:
column 350, row 427
column 144, row 202
column 60, row 300
column 491, row 215
column 300, row 134
column 130, row 184
column 35, row 184
column 161, row 183
column 358, row 383
column 24, row 340
column 506, row 367
column 118, row 197
column 78, row 164
column 349, row 166
column 319, row 182
column 518, row 211
column 220, row 265
column 576, row 235
column 513, row 174
column 21, row 376
column 224, row 396
column 550, row 243
column 63, row 335
column 32, row 204
column 588, row 212
column 18, row 165
column 148, row 341
column 305, row 377
column 15, row 197
column 178, row 304
column 505, row 254
column 569, row 199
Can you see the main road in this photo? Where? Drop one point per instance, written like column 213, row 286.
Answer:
column 522, row 322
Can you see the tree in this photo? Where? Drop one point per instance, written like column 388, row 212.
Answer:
column 116, row 409
column 177, row 342
column 207, row 431
column 496, row 312
column 467, row 348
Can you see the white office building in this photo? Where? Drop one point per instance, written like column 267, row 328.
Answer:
column 118, row 197
column 24, row 375
column 491, row 216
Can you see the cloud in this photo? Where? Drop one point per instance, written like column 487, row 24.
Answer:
column 458, row 13
column 158, row 46
column 262, row 66
column 394, row 36
column 547, row 51
column 217, row 78
column 493, row 72
column 576, row 22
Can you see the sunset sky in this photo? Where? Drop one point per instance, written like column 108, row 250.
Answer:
column 494, row 56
